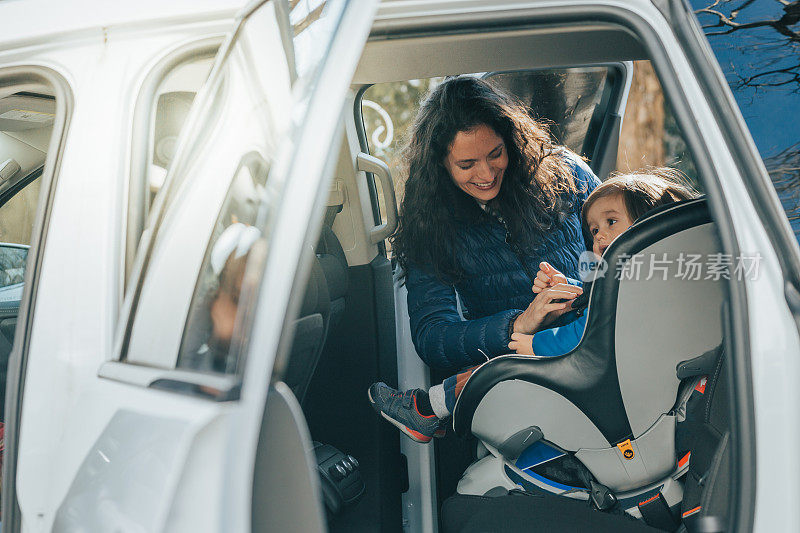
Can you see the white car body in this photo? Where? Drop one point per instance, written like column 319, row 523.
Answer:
column 193, row 457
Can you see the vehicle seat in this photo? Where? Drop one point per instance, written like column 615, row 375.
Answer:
column 609, row 401
column 333, row 261
column 321, row 310
column 705, row 431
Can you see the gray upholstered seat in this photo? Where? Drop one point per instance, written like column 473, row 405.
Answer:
column 609, row 402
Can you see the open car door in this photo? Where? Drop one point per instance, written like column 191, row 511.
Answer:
column 182, row 427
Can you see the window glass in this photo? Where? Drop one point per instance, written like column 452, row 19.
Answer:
column 213, row 228
column 650, row 135
column 566, row 98
column 18, row 214
column 212, row 315
column 27, row 120
column 757, row 44
column 12, row 264
column 26, row 124
column 313, row 22
column 173, row 100
column 16, row 225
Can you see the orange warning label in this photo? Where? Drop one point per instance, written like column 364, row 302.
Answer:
column 701, row 385
column 626, row 449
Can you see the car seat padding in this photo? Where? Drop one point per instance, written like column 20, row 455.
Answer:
column 587, row 376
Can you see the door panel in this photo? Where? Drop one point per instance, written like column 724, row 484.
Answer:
column 285, row 485
column 176, row 459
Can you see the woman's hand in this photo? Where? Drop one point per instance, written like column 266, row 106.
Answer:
column 521, row 343
column 544, row 310
column 547, row 277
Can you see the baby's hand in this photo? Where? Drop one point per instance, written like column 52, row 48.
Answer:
column 547, row 277
column 521, row 343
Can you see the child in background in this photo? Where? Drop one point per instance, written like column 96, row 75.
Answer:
column 611, row 209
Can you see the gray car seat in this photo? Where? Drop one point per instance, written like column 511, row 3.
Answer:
column 321, row 310
column 705, row 431
column 609, row 405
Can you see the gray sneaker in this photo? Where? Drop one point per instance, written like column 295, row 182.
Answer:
column 400, row 408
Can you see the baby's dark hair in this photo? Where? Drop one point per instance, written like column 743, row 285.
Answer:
column 642, row 190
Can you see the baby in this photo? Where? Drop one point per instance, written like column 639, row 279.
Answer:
column 609, row 210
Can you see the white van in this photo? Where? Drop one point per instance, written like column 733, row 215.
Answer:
column 183, row 313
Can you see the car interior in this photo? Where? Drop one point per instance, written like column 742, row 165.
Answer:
column 374, row 478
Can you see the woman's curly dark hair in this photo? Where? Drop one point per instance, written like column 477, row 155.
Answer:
column 535, row 193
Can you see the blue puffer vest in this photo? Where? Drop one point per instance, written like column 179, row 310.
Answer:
column 495, row 289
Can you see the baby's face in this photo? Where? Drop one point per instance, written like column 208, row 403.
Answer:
column 607, row 218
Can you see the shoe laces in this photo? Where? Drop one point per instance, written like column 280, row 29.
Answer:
column 408, row 399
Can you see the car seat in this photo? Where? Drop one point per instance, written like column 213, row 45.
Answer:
column 322, row 308
column 607, row 408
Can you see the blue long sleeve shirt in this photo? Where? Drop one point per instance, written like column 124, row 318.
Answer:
column 560, row 340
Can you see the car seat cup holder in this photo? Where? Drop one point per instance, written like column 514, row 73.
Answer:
column 609, row 404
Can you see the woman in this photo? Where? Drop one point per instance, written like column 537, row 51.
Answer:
column 488, row 198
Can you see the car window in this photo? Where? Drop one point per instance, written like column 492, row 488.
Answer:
column 173, row 101
column 12, row 264
column 219, row 202
column 573, row 101
column 18, row 213
column 162, row 107
column 210, row 325
column 16, row 225
column 757, row 44
column 26, row 123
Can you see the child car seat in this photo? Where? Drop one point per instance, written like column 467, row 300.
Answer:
column 609, row 405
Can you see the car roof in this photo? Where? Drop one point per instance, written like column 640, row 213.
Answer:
column 28, row 21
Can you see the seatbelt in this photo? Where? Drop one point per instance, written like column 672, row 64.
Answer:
column 656, row 513
column 330, row 214
column 695, row 523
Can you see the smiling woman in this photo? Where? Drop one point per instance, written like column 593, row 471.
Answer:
column 489, row 196
column 476, row 161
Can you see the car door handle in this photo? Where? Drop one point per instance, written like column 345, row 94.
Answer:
column 368, row 163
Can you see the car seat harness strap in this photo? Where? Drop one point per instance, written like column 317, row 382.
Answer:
column 656, row 513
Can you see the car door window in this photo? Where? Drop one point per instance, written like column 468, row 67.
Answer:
column 248, row 110
column 213, row 228
column 574, row 101
column 757, row 44
column 162, row 107
column 211, row 321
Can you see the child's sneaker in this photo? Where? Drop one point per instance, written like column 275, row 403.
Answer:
column 400, row 408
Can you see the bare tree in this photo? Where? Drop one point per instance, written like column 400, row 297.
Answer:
column 729, row 16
